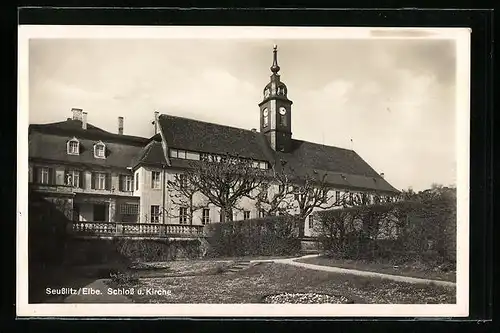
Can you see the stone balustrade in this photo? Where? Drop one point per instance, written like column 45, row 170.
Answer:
column 124, row 229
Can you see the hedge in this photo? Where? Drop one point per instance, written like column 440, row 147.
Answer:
column 46, row 231
column 273, row 235
column 402, row 231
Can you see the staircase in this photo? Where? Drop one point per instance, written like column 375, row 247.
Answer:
column 309, row 245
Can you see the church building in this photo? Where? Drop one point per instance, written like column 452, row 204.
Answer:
column 116, row 179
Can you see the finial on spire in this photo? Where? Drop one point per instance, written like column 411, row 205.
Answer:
column 275, row 68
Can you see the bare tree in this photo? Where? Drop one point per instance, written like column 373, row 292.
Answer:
column 183, row 190
column 225, row 180
column 271, row 196
column 311, row 192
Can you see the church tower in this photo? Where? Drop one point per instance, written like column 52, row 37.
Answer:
column 275, row 111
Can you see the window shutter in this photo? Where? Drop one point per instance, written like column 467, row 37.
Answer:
column 152, row 179
column 92, row 181
column 108, row 181
column 52, row 176
column 120, row 182
column 82, row 179
column 36, row 174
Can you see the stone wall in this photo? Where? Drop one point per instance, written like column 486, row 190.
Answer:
column 122, row 252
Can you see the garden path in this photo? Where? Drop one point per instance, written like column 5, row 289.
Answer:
column 399, row 278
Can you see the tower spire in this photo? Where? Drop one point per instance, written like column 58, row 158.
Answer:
column 275, row 68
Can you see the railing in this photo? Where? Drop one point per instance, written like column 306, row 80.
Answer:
column 52, row 188
column 68, row 189
column 131, row 229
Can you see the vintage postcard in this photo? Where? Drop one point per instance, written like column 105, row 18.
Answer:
column 243, row 172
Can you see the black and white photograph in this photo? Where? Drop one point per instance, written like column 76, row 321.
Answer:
column 243, row 171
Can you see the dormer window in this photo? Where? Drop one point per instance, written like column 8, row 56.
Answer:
column 100, row 150
column 73, row 147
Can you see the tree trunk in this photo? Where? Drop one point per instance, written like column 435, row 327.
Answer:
column 226, row 214
column 191, row 211
column 301, row 221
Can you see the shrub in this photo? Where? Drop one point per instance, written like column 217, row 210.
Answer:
column 153, row 250
column 402, row 231
column 47, row 223
column 276, row 235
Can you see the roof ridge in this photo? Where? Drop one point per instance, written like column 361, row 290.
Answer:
column 100, row 131
column 70, row 120
column 148, row 148
column 321, row 144
column 249, row 130
column 208, row 122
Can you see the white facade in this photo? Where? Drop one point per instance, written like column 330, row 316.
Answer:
column 165, row 198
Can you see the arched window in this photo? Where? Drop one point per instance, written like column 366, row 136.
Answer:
column 73, row 147
column 100, row 150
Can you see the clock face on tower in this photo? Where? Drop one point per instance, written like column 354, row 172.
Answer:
column 282, row 110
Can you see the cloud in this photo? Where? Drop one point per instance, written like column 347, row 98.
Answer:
column 394, row 98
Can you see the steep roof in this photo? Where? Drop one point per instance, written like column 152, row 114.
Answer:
column 151, row 154
column 72, row 127
column 195, row 135
column 344, row 168
column 48, row 142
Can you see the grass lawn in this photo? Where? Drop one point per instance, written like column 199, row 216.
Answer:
column 185, row 268
column 417, row 271
column 250, row 285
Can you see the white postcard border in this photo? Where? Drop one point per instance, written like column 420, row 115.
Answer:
column 460, row 309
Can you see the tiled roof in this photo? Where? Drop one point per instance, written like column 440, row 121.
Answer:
column 48, row 142
column 72, row 128
column 151, row 154
column 194, row 135
column 344, row 168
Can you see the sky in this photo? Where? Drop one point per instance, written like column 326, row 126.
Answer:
column 394, row 98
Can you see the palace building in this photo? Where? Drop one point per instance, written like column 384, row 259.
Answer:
column 116, row 183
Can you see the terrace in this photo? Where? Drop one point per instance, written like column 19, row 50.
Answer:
column 91, row 229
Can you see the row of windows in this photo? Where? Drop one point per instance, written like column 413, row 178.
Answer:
column 351, row 197
column 76, row 178
column 190, row 155
column 73, row 148
column 101, row 181
column 156, row 180
column 183, row 215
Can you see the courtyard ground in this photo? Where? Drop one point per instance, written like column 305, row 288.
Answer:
column 252, row 284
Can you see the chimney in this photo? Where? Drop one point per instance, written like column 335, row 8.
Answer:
column 382, row 175
column 156, row 121
column 120, row 125
column 84, row 120
column 77, row 114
